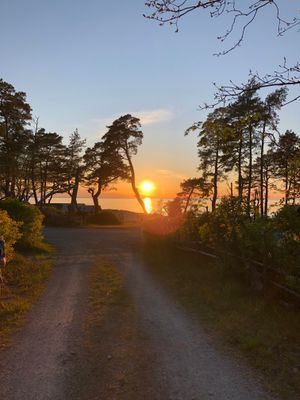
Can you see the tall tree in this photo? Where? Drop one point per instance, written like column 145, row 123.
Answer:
column 212, row 135
column 104, row 165
column 269, row 121
column 49, row 172
column 247, row 111
column 15, row 114
column 74, row 166
column 125, row 135
column 286, row 158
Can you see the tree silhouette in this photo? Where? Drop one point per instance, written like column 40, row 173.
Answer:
column 104, row 166
column 193, row 188
column 15, row 113
column 125, row 135
column 212, row 134
column 74, row 166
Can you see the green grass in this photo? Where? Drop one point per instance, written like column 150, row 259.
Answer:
column 259, row 329
column 25, row 277
column 106, row 290
column 40, row 246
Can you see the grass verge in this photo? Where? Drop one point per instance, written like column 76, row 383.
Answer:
column 259, row 329
column 25, row 276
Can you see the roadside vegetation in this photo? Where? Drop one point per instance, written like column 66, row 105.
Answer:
column 251, row 325
column 28, row 266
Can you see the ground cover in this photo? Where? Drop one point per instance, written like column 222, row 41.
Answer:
column 25, row 277
column 259, row 329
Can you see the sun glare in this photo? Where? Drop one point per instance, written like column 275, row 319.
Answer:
column 148, row 204
column 147, row 187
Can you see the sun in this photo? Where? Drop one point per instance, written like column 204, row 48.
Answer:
column 146, row 187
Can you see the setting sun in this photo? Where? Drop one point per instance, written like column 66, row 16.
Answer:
column 147, row 187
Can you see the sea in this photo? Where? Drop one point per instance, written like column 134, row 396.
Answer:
column 153, row 205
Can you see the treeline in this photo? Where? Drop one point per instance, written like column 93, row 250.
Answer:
column 240, row 144
column 36, row 165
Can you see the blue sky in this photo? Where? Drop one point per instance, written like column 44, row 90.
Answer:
column 84, row 63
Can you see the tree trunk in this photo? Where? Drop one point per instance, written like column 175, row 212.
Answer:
column 286, row 183
column 249, row 172
column 73, row 205
column 133, row 184
column 267, row 191
column 262, row 169
column 188, row 201
column 97, row 207
column 215, row 181
column 240, row 178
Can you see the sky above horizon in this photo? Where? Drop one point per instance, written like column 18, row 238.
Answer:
column 85, row 63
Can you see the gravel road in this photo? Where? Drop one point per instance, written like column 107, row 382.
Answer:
column 185, row 363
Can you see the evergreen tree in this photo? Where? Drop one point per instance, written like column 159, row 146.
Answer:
column 125, row 135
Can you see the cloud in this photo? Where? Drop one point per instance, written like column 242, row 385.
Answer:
column 94, row 128
column 150, row 117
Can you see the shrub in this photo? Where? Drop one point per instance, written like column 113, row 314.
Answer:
column 222, row 228
column 286, row 228
column 58, row 217
column 104, row 217
column 31, row 219
column 10, row 231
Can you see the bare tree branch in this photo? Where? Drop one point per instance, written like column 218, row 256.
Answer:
column 171, row 11
column 284, row 76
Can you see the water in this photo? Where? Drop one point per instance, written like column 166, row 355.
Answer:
column 152, row 204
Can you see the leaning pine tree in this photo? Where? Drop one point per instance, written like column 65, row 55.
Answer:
column 125, row 135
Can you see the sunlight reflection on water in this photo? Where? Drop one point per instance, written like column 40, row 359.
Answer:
column 148, row 204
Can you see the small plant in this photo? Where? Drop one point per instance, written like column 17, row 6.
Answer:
column 10, row 230
column 30, row 222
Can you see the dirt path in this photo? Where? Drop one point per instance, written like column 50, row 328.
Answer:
column 166, row 354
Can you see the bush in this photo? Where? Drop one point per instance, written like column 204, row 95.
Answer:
column 286, row 232
column 272, row 240
column 222, row 228
column 31, row 219
column 10, row 231
column 53, row 216
column 105, row 217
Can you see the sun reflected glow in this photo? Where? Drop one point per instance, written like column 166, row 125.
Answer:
column 148, row 204
column 147, row 187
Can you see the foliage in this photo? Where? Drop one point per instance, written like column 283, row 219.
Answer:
column 286, row 228
column 25, row 278
column 274, row 241
column 104, row 166
column 10, row 230
column 53, row 216
column 74, row 166
column 104, row 217
column 125, row 136
column 265, row 331
column 31, row 220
